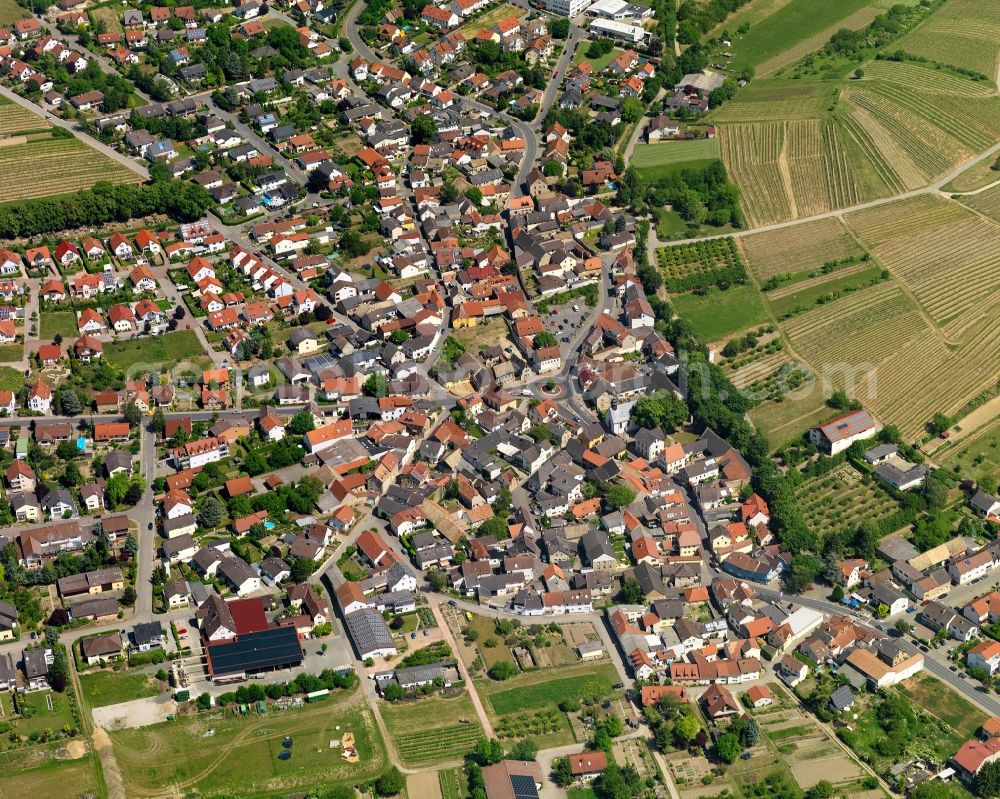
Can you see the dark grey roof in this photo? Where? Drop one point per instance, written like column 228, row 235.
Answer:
column 274, row 648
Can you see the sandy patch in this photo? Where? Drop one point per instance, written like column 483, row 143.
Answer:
column 835, row 769
column 425, row 785
column 136, row 713
column 12, row 141
column 112, row 774
column 75, row 750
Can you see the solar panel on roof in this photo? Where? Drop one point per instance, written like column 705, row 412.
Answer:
column 523, row 787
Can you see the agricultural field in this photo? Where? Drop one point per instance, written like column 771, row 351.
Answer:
column 453, row 784
column 752, row 152
column 700, row 263
column 171, row 348
column 56, row 166
column 15, row 119
column 797, row 249
column 432, row 730
column 799, row 148
column 788, row 28
column 216, row 753
column 717, row 314
column 841, row 500
column 964, row 33
column 986, row 202
column 800, row 296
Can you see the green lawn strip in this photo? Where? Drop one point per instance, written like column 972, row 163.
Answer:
column 717, row 313
column 808, row 297
column 674, row 152
column 170, row 348
column 102, row 688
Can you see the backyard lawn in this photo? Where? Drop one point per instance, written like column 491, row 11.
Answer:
column 111, row 687
column 38, row 717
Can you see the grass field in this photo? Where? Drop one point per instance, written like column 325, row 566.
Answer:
column 781, row 32
column 646, row 157
column 56, row 166
column 841, row 500
column 170, row 348
column 787, row 420
column 39, row 717
column 11, row 379
column 717, row 314
column 964, row 33
column 110, row 16
column 53, row 779
column 597, row 64
column 102, row 688
column 977, row 176
column 977, row 455
column 432, row 730
column 11, row 352
column 59, row 323
column 10, row 12
column 943, row 703
column 536, row 691
column 240, row 755
column 805, row 295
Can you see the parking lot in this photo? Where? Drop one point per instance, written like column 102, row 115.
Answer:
column 565, row 321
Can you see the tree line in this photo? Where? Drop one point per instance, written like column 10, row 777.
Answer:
column 104, row 203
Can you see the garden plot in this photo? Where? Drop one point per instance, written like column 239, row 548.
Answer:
column 842, row 499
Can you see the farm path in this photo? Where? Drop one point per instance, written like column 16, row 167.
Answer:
column 110, row 152
column 477, row 703
column 786, row 175
column 971, row 426
column 106, row 753
column 980, row 190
